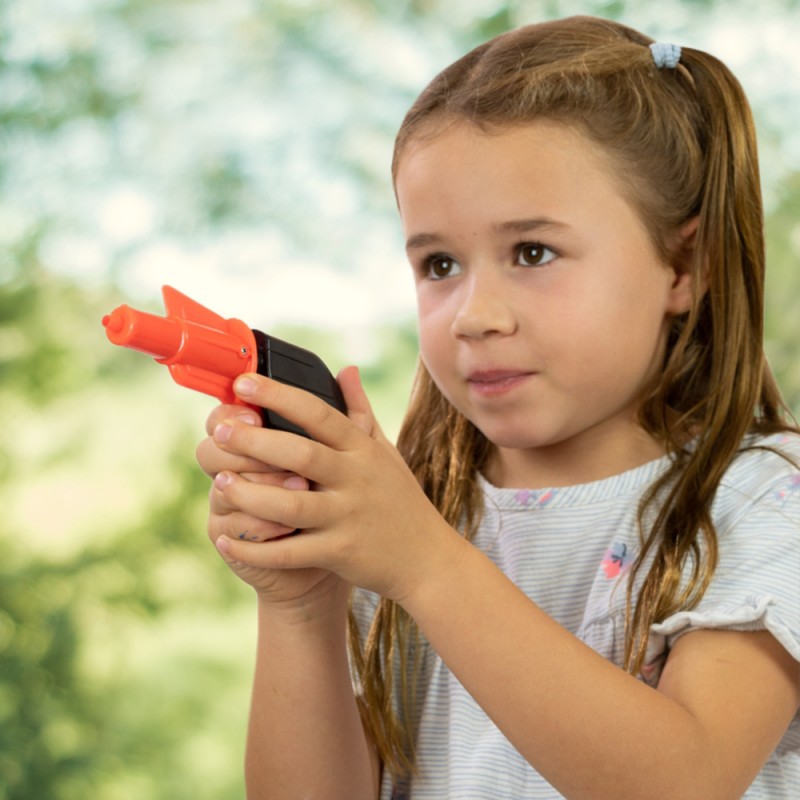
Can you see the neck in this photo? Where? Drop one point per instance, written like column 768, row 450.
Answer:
column 591, row 458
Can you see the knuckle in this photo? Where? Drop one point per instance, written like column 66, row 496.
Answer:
column 293, row 505
column 304, row 453
column 277, row 391
column 321, row 413
column 241, row 436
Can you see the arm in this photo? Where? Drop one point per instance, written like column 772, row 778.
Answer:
column 305, row 737
column 592, row 730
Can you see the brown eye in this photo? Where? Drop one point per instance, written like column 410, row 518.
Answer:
column 534, row 254
column 440, row 266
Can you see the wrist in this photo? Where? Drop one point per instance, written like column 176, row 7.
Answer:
column 446, row 552
column 324, row 606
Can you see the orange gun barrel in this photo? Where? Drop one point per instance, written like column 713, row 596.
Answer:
column 159, row 337
column 206, row 352
column 203, row 351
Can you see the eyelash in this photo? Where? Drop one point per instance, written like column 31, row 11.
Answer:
column 428, row 263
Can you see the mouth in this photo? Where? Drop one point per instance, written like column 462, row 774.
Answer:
column 496, row 381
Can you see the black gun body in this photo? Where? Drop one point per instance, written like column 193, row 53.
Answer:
column 298, row 367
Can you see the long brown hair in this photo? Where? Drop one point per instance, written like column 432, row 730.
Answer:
column 683, row 145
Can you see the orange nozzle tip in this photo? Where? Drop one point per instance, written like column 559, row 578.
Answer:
column 113, row 323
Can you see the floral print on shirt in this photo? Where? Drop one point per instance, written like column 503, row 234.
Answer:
column 616, row 559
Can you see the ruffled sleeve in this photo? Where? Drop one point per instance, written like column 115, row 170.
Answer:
column 756, row 585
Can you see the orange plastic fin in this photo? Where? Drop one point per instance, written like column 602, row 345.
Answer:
column 179, row 305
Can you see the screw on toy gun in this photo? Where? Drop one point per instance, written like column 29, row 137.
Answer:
column 206, row 352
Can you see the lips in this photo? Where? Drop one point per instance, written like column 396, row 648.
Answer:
column 496, row 381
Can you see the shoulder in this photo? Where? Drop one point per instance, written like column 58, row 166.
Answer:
column 756, row 514
column 779, row 449
column 765, row 467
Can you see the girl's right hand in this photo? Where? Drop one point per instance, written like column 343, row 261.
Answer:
column 273, row 586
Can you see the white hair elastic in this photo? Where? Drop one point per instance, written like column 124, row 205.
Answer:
column 665, row 55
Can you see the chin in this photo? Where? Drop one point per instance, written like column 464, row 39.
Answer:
column 517, row 437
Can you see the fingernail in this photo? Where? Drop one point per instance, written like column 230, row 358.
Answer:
column 297, row 482
column 223, row 544
column 222, row 433
column 221, row 480
column 245, row 386
column 248, row 419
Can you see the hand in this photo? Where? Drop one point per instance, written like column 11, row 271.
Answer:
column 366, row 519
column 226, row 519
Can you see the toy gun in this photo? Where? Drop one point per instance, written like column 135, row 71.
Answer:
column 206, row 352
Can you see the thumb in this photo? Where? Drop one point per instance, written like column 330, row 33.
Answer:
column 359, row 409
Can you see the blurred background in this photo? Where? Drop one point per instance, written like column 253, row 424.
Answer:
column 238, row 150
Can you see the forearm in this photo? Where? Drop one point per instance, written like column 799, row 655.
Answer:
column 305, row 737
column 578, row 719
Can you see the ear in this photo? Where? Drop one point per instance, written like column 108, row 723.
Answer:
column 686, row 284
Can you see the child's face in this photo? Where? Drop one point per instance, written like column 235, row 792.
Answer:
column 543, row 305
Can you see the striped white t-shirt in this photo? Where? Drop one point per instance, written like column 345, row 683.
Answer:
column 567, row 549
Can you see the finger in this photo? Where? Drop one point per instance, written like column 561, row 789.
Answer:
column 281, row 505
column 243, row 527
column 288, row 480
column 359, row 409
column 319, row 419
column 288, row 552
column 212, row 459
column 221, row 504
column 284, row 451
column 221, row 412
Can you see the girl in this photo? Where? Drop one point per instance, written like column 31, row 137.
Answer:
column 579, row 573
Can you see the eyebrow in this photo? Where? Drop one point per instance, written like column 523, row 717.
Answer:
column 421, row 240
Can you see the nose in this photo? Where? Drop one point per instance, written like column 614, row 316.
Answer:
column 483, row 308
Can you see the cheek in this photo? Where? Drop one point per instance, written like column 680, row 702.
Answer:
column 433, row 326
column 434, row 348
column 621, row 348
column 437, row 352
column 616, row 331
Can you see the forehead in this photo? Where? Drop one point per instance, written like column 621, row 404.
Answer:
column 543, row 166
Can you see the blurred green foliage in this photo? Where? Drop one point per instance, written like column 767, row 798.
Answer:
column 782, row 325
column 125, row 645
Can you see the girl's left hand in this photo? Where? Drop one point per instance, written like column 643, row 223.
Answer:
column 365, row 518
